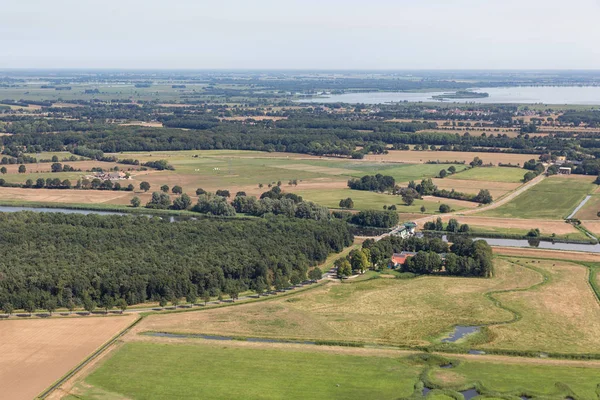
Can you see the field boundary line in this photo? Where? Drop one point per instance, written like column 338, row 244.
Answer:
column 87, row 360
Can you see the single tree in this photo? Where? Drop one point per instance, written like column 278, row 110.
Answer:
column 206, row 297
column 200, row 191
column 70, row 305
column 165, row 188
column 3, row 170
column 107, row 302
column 145, row 186
column 423, row 209
column 7, row 308
column 29, row 306
column 136, row 202
column 22, row 169
column 121, row 304
column 177, row 189
column 50, row 305
column 444, row 208
column 443, row 173
column 315, row 274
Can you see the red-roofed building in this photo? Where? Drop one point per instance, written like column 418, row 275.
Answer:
column 399, row 258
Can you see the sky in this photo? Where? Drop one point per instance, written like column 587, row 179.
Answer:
column 300, row 34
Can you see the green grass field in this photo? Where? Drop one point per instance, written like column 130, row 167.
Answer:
column 530, row 379
column 495, row 174
column 554, row 198
column 207, row 370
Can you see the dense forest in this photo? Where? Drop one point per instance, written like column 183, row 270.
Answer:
column 73, row 260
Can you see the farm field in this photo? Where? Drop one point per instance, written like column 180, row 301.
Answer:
column 386, row 311
column 39, row 352
column 497, row 189
column 411, row 156
column 555, row 197
column 533, row 379
column 562, row 315
column 203, row 369
column 546, row 254
column 495, row 174
column 593, row 226
column 519, row 226
column 590, row 210
column 209, row 371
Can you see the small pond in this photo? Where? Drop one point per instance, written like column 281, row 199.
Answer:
column 460, row 332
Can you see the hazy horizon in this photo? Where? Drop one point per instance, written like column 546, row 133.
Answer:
column 383, row 35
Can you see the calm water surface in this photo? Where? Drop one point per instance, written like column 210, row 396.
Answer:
column 518, row 94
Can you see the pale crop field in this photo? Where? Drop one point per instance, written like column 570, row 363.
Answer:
column 36, row 353
column 411, row 156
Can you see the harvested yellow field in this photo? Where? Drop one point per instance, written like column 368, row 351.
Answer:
column 410, row 156
column 143, row 123
column 82, row 165
column 497, row 189
column 68, row 196
column 546, row 227
column 562, row 315
column 383, row 311
column 541, row 254
column 36, row 353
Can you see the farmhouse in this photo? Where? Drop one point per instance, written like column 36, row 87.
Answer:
column 399, row 258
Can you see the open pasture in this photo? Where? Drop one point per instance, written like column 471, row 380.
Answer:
column 562, row 315
column 411, row 156
column 36, row 353
column 208, row 371
column 553, row 198
column 533, row 378
column 196, row 368
column 385, row 311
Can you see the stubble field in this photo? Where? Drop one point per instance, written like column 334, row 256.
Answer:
column 39, row 352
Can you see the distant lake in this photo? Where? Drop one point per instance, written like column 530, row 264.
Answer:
column 589, row 95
